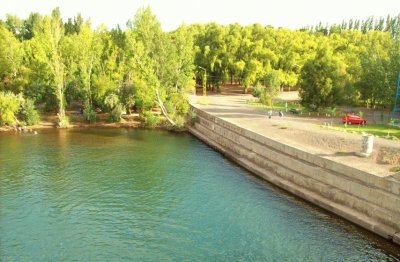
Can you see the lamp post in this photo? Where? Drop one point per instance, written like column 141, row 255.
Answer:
column 204, row 82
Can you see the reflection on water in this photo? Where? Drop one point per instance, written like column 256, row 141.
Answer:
column 91, row 195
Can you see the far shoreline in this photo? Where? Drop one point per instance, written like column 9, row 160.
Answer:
column 45, row 125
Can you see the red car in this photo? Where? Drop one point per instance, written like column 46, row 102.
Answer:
column 354, row 120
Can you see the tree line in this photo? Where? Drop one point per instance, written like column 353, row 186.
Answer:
column 388, row 24
column 354, row 63
column 46, row 61
column 56, row 64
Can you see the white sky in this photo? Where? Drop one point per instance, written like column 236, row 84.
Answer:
column 171, row 13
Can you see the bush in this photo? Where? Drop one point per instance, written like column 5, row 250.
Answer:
column 127, row 97
column 9, row 105
column 28, row 113
column 258, row 91
column 180, row 103
column 89, row 114
column 265, row 99
column 179, row 122
column 149, row 119
column 116, row 113
column 114, row 108
column 192, row 117
column 111, row 101
column 169, row 107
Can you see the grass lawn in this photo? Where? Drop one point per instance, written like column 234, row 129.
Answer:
column 384, row 131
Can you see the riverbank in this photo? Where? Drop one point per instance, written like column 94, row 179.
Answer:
column 49, row 121
column 316, row 164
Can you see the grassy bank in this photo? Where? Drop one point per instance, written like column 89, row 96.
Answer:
column 378, row 130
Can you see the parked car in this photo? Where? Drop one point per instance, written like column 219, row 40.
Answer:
column 354, row 120
column 294, row 111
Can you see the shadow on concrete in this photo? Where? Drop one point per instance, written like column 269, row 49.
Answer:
column 241, row 116
column 338, row 154
column 219, row 105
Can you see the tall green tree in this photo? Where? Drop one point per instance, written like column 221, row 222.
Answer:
column 47, row 46
column 86, row 47
column 374, row 83
column 321, row 80
column 11, row 55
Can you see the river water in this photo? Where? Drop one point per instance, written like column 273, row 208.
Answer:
column 137, row 195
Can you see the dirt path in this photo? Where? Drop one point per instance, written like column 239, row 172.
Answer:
column 303, row 133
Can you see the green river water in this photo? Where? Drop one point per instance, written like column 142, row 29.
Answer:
column 137, row 195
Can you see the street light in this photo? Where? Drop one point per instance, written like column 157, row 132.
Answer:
column 204, row 82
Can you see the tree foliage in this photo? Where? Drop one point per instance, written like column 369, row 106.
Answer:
column 60, row 63
column 9, row 105
column 321, row 80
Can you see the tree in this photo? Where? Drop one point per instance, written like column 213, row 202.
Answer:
column 48, row 52
column 73, row 27
column 181, row 58
column 59, row 63
column 84, row 49
column 9, row 105
column 15, row 25
column 143, row 57
column 31, row 25
column 158, row 64
column 11, row 55
column 109, row 66
column 374, row 83
column 321, row 80
column 271, row 90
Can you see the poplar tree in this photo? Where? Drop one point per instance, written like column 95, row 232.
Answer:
column 48, row 48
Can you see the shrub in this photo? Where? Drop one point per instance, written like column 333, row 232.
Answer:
column 179, row 122
column 9, row 105
column 28, row 113
column 111, row 101
column 264, row 99
column 127, row 97
column 89, row 114
column 149, row 119
column 169, row 107
column 258, row 91
column 180, row 103
column 114, row 108
column 116, row 113
column 192, row 117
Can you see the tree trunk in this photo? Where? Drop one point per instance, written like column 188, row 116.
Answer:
column 89, row 82
column 163, row 110
column 60, row 95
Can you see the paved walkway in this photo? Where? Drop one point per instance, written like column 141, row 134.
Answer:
column 303, row 133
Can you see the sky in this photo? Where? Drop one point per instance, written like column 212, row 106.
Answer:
column 171, row 13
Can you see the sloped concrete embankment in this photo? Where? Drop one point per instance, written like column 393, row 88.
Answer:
column 365, row 199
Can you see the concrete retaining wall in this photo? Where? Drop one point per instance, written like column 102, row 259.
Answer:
column 365, row 199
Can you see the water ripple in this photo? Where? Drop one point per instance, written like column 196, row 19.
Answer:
column 117, row 195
